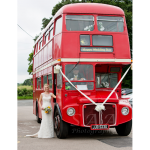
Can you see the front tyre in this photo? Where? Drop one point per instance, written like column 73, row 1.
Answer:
column 61, row 127
column 124, row 129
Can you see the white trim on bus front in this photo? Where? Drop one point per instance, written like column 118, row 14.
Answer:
column 93, row 60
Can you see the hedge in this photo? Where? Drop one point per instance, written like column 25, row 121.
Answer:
column 24, row 92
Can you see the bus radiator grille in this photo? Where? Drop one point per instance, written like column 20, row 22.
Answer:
column 91, row 116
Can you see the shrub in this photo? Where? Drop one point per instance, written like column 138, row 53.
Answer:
column 24, row 92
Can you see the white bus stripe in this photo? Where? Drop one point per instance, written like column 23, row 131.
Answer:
column 81, row 60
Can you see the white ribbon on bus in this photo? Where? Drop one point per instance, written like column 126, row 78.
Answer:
column 98, row 107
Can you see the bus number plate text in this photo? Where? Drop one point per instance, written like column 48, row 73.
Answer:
column 99, row 127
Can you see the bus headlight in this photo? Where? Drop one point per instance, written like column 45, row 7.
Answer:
column 125, row 111
column 70, row 111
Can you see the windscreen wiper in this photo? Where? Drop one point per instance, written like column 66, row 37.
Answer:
column 73, row 67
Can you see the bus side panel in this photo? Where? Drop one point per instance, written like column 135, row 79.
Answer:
column 59, row 98
column 70, row 45
column 121, row 46
column 38, row 92
column 34, row 106
column 121, row 118
column 97, row 55
column 34, row 99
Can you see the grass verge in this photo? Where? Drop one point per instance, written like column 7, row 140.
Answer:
column 25, row 86
column 24, row 97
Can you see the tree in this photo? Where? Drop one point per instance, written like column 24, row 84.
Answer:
column 30, row 58
column 36, row 37
column 127, row 81
column 45, row 22
column 58, row 6
column 27, row 82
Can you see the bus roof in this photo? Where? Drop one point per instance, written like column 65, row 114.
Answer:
column 83, row 8
column 92, row 8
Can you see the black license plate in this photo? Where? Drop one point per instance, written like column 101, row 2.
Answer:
column 99, row 127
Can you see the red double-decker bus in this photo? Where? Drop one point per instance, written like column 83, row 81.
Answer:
column 90, row 42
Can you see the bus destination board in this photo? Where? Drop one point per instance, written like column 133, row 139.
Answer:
column 96, row 49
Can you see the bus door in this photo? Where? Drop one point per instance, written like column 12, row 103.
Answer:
column 57, row 84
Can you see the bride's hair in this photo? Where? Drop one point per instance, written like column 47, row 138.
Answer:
column 46, row 85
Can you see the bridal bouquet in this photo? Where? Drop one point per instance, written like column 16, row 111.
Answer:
column 47, row 109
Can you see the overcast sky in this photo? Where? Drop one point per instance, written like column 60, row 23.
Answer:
column 29, row 17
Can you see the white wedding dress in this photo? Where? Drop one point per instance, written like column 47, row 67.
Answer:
column 47, row 127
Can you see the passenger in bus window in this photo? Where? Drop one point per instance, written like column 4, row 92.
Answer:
column 76, row 75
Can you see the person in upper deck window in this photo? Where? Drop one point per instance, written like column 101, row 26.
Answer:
column 76, row 75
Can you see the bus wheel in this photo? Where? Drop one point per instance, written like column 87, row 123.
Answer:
column 61, row 127
column 124, row 129
column 37, row 116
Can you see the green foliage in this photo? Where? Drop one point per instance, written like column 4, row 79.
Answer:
column 27, row 82
column 30, row 69
column 30, row 58
column 45, row 22
column 24, row 97
column 36, row 37
column 58, row 6
column 19, row 84
column 24, row 92
column 127, row 81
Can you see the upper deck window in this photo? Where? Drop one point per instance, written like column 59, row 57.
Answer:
column 58, row 28
column 107, row 23
column 40, row 44
column 46, row 36
column 51, row 31
column 102, row 40
column 45, row 80
column 50, row 80
column 79, row 22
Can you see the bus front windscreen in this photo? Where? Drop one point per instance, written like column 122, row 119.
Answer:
column 79, row 73
column 79, row 22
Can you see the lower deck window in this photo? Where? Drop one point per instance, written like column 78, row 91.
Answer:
column 50, row 81
column 45, row 80
column 39, row 83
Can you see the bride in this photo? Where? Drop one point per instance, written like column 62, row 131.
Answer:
column 46, row 129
